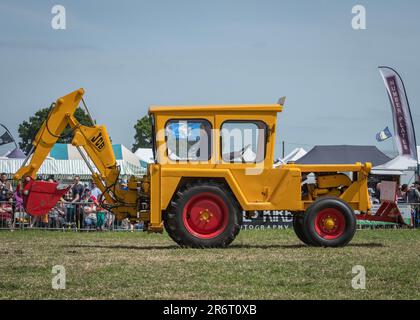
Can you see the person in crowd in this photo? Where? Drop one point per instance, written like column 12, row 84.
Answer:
column 101, row 212
column 6, row 183
column 96, row 192
column 139, row 225
column 3, row 193
column 372, row 198
column 6, row 211
column 68, row 206
column 417, row 185
column 100, row 217
column 403, row 193
column 124, row 185
column 89, row 209
column 413, row 194
column 378, row 191
column 6, row 202
column 19, row 211
column 109, row 220
column 18, row 200
column 126, row 224
column 77, row 192
column 57, row 216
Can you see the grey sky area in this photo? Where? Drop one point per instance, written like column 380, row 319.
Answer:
column 131, row 54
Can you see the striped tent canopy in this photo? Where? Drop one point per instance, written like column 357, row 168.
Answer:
column 64, row 161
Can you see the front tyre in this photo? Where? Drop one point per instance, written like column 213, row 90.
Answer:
column 329, row 222
column 203, row 214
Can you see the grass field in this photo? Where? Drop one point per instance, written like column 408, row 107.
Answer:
column 270, row 264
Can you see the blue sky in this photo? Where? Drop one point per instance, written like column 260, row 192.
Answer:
column 131, row 54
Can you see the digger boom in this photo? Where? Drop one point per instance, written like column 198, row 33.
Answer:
column 92, row 142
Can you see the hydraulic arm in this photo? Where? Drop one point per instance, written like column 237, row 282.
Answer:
column 93, row 143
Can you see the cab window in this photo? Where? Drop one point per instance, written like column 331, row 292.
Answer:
column 243, row 141
column 188, row 140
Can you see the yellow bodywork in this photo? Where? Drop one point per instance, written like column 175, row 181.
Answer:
column 256, row 186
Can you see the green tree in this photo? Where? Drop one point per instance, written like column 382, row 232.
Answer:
column 143, row 136
column 28, row 129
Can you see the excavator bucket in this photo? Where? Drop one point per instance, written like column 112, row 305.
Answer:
column 39, row 197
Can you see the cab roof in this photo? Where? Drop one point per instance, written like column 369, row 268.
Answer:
column 218, row 108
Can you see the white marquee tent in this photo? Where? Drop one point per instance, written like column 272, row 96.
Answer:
column 64, row 162
column 296, row 154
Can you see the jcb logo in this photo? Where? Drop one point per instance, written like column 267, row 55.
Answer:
column 98, row 141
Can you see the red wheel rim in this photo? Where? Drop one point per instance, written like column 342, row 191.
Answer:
column 330, row 223
column 205, row 215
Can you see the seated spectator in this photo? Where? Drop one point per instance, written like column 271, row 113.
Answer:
column 89, row 209
column 57, row 216
column 6, row 212
column 124, row 185
column 139, row 225
column 126, row 224
column 4, row 193
column 90, row 218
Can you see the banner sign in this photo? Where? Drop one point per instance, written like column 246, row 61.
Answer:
column 268, row 220
column 403, row 124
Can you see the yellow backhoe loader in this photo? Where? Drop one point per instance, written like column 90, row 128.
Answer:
column 211, row 164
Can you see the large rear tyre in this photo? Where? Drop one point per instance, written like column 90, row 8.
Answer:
column 298, row 228
column 329, row 222
column 203, row 214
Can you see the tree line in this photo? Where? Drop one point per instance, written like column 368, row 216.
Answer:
column 28, row 129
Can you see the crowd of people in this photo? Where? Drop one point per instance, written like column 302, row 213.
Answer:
column 410, row 194
column 6, row 206
column 404, row 193
column 79, row 208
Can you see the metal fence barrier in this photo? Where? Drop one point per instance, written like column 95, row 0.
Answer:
column 75, row 216
column 64, row 216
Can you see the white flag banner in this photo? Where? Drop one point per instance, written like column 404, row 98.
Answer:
column 404, row 134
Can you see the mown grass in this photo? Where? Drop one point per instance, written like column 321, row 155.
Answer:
column 260, row 264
